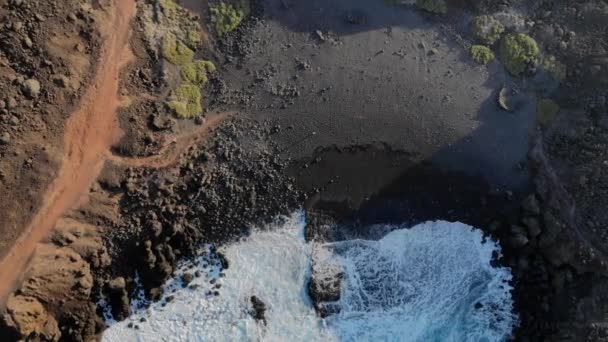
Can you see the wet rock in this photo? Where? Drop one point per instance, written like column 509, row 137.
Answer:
column 31, row 88
column 258, row 309
column 223, row 261
column 119, row 298
column 187, row 278
column 325, row 283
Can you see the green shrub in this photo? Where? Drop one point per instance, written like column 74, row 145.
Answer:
column 175, row 51
column 169, row 8
column 518, row 51
column 546, row 111
column 225, row 18
column 197, row 72
column 555, row 68
column 185, row 101
column 482, row 54
column 433, row 6
column 487, row 29
column 193, row 38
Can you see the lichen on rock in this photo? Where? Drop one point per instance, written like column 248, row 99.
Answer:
column 482, row 54
column 487, row 29
column 185, row 101
column 518, row 51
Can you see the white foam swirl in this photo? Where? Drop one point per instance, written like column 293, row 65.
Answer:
column 433, row 282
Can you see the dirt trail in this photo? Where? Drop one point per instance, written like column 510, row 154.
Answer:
column 170, row 153
column 90, row 132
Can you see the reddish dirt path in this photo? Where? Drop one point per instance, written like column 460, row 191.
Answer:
column 90, row 132
column 170, row 153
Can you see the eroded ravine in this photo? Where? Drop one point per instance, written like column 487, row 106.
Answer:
column 90, row 132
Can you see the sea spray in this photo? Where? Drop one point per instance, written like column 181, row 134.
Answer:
column 432, row 282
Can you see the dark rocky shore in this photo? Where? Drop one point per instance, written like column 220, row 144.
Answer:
column 365, row 113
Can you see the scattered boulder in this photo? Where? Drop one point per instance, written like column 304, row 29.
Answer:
column 531, row 205
column 31, row 88
column 62, row 81
column 518, row 239
column 5, row 138
column 187, row 279
column 11, row 103
column 505, row 99
column 533, row 226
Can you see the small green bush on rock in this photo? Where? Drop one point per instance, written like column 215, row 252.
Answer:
column 433, row 6
column 555, row 68
column 175, row 51
column 518, row 51
column 169, row 8
column 197, row 72
column 482, row 54
column 487, row 29
column 546, row 111
column 185, row 101
column 225, row 18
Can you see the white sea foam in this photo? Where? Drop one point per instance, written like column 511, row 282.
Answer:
column 433, row 282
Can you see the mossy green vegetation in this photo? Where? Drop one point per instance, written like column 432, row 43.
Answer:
column 555, row 68
column 197, row 72
column 482, row 54
column 193, row 37
column 175, row 51
column 546, row 111
column 169, row 8
column 185, row 101
column 225, row 18
column 487, row 29
column 433, row 6
column 517, row 51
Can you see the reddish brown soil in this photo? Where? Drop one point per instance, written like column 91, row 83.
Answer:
column 90, row 132
column 169, row 154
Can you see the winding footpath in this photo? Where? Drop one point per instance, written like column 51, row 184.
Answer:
column 90, row 132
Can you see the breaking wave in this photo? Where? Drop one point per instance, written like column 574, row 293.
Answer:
column 431, row 282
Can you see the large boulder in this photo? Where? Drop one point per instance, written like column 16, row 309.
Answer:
column 325, row 283
column 26, row 318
